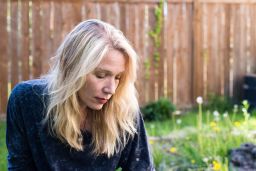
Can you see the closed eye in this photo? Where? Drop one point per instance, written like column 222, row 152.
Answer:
column 118, row 77
column 100, row 75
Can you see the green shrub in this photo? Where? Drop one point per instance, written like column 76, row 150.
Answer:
column 220, row 103
column 158, row 110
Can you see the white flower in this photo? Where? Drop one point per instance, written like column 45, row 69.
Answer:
column 235, row 108
column 205, row 160
column 245, row 102
column 199, row 100
column 225, row 114
column 178, row 121
column 216, row 113
column 244, row 110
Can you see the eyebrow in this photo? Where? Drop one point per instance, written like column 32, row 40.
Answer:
column 106, row 71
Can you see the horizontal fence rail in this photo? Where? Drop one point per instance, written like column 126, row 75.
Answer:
column 206, row 46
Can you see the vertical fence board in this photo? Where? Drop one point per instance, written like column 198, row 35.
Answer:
column 198, row 58
column 210, row 58
column 71, row 14
column 3, row 58
column 172, row 17
column 36, row 39
column 164, row 49
column 177, row 54
column 189, row 100
column 142, row 38
column 122, row 17
column 104, row 11
column 213, row 73
column 152, row 76
column 226, row 49
column 14, row 45
column 186, row 53
column 46, row 39
column 146, row 53
column 160, row 67
column 89, row 10
column 239, row 49
column 183, row 58
column 24, row 54
column 139, row 30
column 57, row 25
column 115, row 12
column 221, row 48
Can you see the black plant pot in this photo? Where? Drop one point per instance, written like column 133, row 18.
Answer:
column 249, row 90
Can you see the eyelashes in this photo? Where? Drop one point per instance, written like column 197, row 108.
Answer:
column 104, row 75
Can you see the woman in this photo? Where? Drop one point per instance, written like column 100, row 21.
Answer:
column 84, row 114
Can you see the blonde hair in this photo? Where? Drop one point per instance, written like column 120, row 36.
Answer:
column 79, row 54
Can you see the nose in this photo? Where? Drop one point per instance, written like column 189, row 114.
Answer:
column 109, row 86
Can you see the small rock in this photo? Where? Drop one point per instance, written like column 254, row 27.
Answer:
column 243, row 158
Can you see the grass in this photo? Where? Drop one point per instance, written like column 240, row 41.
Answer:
column 179, row 122
column 3, row 150
column 208, row 138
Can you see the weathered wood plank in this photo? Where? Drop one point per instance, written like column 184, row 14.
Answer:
column 57, row 25
column 13, row 44
column 36, row 39
column 239, row 64
column 24, row 42
column 198, row 54
column 3, row 58
column 46, row 39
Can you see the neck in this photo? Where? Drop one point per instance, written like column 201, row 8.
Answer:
column 86, row 122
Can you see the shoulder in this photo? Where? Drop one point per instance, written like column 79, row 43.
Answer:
column 30, row 88
column 27, row 99
column 28, row 95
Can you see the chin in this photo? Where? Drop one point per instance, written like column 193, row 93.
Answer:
column 96, row 107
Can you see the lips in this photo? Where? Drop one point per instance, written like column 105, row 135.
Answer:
column 101, row 100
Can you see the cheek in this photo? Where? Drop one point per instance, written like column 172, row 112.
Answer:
column 91, row 86
column 82, row 93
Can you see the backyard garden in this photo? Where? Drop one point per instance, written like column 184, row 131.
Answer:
column 201, row 138
column 194, row 58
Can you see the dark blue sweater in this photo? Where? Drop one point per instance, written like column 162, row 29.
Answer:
column 31, row 147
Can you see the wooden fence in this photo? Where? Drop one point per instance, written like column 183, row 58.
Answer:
column 206, row 45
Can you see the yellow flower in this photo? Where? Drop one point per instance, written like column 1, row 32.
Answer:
column 237, row 124
column 216, row 166
column 193, row 161
column 151, row 142
column 213, row 124
column 216, row 129
column 173, row 150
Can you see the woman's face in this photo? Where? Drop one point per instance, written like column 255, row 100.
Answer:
column 101, row 84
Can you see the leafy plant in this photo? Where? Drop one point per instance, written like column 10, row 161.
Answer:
column 158, row 110
column 155, row 34
column 220, row 103
column 207, row 147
